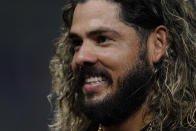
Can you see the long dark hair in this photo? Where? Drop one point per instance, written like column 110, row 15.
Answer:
column 173, row 101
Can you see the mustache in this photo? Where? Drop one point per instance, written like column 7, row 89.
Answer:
column 85, row 71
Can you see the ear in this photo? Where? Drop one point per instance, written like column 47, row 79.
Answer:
column 158, row 43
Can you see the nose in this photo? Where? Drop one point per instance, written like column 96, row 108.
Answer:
column 85, row 55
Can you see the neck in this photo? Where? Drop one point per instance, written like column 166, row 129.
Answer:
column 136, row 122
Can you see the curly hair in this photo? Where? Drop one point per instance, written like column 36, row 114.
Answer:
column 173, row 101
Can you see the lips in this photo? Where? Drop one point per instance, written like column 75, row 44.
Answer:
column 93, row 83
column 94, row 79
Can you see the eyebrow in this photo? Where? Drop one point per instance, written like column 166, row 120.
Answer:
column 94, row 32
column 101, row 31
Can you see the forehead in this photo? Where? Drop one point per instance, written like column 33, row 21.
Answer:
column 94, row 14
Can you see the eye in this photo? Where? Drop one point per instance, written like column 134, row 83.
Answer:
column 76, row 43
column 103, row 39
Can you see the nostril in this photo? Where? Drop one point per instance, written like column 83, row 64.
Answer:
column 88, row 64
column 85, row 63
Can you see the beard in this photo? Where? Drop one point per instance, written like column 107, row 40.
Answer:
column 132, row 91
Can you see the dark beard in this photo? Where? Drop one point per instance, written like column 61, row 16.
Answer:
column 129, row 97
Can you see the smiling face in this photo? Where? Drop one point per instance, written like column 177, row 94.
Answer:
column 107, row 57
column 101, row 39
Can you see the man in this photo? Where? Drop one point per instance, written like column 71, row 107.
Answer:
column 125, row 65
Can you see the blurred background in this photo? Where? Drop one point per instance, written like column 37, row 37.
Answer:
column 28, row 29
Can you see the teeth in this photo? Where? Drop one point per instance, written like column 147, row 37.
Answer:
column 93, row 79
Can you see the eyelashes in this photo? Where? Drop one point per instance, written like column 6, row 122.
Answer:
column 98, row 40
column 103, row 39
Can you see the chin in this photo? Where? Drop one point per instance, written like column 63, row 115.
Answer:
column 96, row 98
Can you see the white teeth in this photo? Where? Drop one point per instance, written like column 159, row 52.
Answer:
column 93, row 79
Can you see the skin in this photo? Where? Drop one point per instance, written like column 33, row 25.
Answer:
column 101, row 39
column 117, row 46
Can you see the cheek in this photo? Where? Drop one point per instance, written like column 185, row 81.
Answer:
column 118, row 60
column 117, row 65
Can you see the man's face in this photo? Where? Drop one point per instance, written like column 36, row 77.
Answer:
column 104, row 41
column 107, row 55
